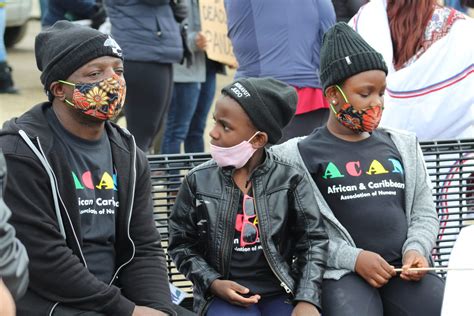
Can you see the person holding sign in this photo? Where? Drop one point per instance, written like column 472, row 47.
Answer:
column 282, row 39
column 372, row 189
column 193, row 90
column 244, row 228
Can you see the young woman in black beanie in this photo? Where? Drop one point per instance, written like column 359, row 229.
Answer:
column 244, row 228
column 372, row 189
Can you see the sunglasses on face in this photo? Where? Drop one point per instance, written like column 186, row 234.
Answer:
column 249, row 233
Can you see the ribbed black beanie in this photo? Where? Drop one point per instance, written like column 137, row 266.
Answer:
column 345, row 53
column 268, row 102
column 64, row 47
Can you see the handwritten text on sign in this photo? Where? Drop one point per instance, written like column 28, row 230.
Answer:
column 214, row 27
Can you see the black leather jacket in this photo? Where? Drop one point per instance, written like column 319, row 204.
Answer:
column 293, row 237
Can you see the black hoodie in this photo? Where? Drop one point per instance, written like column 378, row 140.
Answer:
column 45, row 215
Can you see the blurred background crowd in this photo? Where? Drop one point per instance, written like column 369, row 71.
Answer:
column 171, row 82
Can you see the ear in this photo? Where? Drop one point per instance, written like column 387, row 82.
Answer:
column 58, row 90
column 260, row 140
column 332, row 95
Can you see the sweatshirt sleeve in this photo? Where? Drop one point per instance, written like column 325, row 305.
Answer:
column 424, row 223
column 55, row 271
column 13, row 256
column 145, row 280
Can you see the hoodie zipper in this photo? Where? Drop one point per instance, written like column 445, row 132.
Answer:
column 55, row 192
column 130, row 207
column 42, row 157
column 54, row 187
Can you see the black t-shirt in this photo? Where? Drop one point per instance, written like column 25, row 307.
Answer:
column 363, row 183
column 248, row 265
column 95, row 183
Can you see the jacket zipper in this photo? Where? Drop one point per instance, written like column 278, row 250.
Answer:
column 225, row 264
column 270, row 263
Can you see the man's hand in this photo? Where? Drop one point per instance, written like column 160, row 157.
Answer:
column 305, row 309
column 147, row 311
column 413, row 259
column 373, row 268
column 201, row 41
column 231, row 292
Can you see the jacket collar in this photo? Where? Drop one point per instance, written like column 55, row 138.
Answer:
column 261, row 169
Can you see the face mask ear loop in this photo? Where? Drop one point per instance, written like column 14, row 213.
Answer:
column 69, row 102
column 67, row 82
column 253, row 136
column 342, row 92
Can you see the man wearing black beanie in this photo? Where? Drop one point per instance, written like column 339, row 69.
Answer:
column 79, row 189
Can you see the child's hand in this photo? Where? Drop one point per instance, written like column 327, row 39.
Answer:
column 374, row 269
column 230, row 291
column 305, row 309
column 413, row 259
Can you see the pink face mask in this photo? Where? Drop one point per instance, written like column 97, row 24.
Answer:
column 236, row 156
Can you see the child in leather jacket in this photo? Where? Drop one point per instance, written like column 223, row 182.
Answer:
column 245, row 229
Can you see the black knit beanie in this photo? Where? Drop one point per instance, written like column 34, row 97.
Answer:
column 64, row 47
column 345, row 53
column 268, row 102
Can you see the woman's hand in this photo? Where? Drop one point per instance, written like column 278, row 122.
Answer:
column 373, row 268
column 413, row 259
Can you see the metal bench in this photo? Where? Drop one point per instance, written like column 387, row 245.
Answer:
column 450, row 165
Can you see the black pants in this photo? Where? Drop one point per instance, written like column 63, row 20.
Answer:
column 149, row 90
column 67, row 311
column 351, row 296
column 304, row 124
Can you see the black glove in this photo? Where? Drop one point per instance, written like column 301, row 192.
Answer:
column 180, row 10
column 98, row 18
column 187, row 54
column 467, row 3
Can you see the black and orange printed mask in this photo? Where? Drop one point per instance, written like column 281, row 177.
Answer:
column 103, row 99
column 366, row 120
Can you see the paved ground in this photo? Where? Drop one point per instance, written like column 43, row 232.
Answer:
column 26, row 77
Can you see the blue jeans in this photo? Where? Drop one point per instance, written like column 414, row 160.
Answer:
column 43, row 7
column 278, row 305
column 3, row 51
column 57, row 10
column 194, row 142
column 455, row 4
column 180, row 113
column 188, row 112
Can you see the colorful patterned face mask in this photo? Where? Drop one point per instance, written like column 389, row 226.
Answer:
column 103, row 99
column 359, row 121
